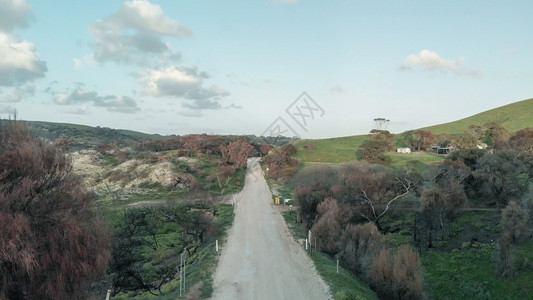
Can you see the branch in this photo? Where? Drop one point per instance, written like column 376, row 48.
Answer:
column 369, row 202
column 407, row 188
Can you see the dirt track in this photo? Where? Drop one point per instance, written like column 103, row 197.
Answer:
column 260, row 259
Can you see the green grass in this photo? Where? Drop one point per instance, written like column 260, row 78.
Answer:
column 469, row 274
column 399, row 159
column 338, row 150
column 344, row 285
column 333, row 150
column 513, row 117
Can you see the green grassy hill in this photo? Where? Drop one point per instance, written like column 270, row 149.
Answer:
column 513, row 117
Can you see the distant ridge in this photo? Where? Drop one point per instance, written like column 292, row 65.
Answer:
column 515, row 116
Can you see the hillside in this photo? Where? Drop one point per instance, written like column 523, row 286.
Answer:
column 513, row 117
column 83, row 136
column 87, row 137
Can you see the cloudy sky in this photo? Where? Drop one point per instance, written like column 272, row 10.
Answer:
column 240, row 67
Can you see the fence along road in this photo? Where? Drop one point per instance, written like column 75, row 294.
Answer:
column 260, row 259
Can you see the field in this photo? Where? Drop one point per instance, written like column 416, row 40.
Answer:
column 343, row 149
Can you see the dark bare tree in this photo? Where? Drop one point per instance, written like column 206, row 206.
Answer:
column 376, row 191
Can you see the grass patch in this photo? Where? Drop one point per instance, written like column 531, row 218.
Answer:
column 469, row 274
column 344, row 285
column 399, row 159
column 338, row 150
column 335, row 150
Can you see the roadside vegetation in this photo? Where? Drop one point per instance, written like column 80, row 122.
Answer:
column 119, row 209
column 457, row 227
column 114, row 216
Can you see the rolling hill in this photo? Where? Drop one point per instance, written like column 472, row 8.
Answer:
column 83, row 136
column 513, row 117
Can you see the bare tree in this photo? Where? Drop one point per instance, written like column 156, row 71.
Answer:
column 376, row 191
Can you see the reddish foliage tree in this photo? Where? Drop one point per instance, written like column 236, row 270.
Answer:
column 384, row 136
column 51, row 242
column 237, row 153
column 280, row 163
column 374, row 151
column 398, row 276
column 359, row 245
column 265, row 148
column 331, row 219
column 425, row 139
column 522, row 142
column 494, row 132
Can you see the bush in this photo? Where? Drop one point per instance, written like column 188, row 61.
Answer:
column 327, row 230
column 397, row 276
column 51, row 242
column 514, row 221
column 359, row 245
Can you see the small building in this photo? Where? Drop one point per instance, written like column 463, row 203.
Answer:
column 404, row 150
column 443, row 150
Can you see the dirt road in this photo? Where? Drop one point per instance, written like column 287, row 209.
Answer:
column 260, row 259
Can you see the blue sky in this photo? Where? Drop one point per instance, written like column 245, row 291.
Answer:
column 234, row 67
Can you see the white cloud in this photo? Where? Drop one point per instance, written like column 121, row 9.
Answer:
column 14, row 13
column 123, row 104
column 170, row 82
column 19, row 61
column 17, row 94
column 136, row 30
column 78, row 95
column 149, row 18
column 185, row 82
column 431, row 61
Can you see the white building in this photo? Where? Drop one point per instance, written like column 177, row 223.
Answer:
column 403, row 150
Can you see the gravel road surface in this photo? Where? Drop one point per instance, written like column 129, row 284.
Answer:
column 260, row 260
